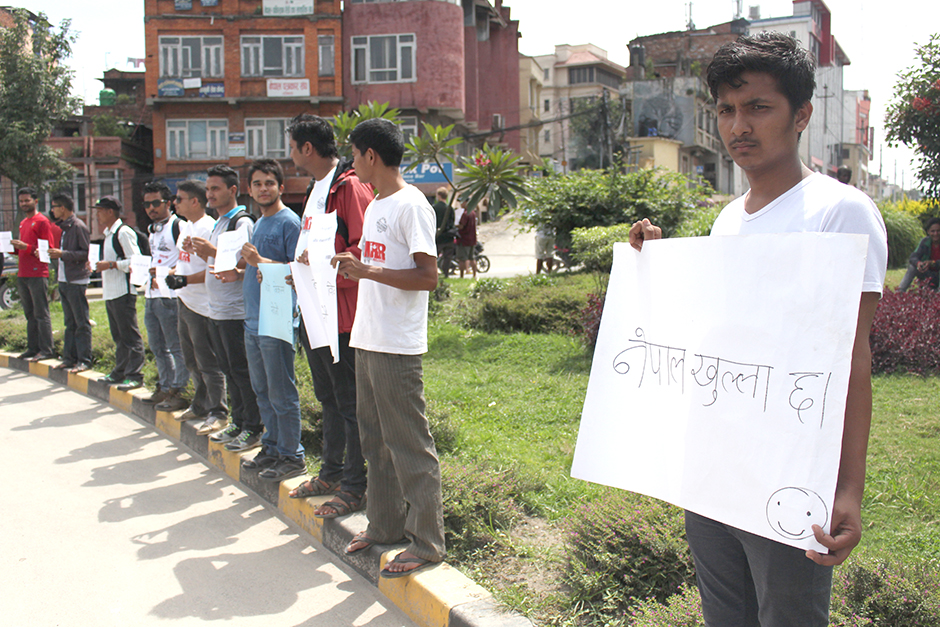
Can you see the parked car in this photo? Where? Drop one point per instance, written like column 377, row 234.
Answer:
column 8, row 295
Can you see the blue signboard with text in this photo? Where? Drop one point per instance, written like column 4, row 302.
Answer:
column 427, row 173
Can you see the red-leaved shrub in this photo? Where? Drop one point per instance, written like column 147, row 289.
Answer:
column 589, row 320
column 905, row 335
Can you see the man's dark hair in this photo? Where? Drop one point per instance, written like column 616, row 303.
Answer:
column 226, row 173
column 64, row 200
column 382, row 136
column 268, row 166
column 159, row 187
column 196, row 189
column 931, row 222
column 318, row 132
column 27, row 191
column 774, row 53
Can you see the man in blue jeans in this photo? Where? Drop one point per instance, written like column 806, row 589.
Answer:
column 270, row 359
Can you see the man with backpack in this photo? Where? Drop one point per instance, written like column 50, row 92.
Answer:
column 121, row 242
column 161, row 307
column 227, row 318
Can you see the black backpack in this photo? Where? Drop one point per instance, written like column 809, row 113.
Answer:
column 233, row 221
column 143, row 242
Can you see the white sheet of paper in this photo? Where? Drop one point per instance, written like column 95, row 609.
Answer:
column 229, row 249
column 276, row 313
column 316, row 285
column 43, row 247
column 94, row 253
column 140, row 269
column 5, row 239
column 458, row 213
column 164, row 290
column 720, row 376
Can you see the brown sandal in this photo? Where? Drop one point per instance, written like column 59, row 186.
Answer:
column 314, row 487
column 340, row 505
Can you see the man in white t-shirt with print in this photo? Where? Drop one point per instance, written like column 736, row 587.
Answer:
column 763, row 86
column 397, row 271
column 189, row 281
column 161, row 308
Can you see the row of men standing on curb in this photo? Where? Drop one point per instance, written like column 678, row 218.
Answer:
column 205, row 325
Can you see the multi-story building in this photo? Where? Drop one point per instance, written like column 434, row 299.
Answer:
column 224, row 78
column 810, row 24
column 857, row 136
column 572, row 73
column 437, row 61
column 530, row 100
column 680, row 53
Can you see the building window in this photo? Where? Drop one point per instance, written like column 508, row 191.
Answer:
column 267, row 138
column 109, row 183
column 327, row 55
column 278, row 55
column 190, row 140
column 548, row 105
column 547, row 137
column 546, row 74
column 384, row 59
column 409, row 127
column 190, row 57
column 578, row 75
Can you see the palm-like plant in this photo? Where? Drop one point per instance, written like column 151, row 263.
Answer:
column 345, row 122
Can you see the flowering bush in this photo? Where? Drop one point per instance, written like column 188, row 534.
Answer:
column 905, row 334
column 589, row 320
column 680, row 610
column 624, row 549
column 876, row 592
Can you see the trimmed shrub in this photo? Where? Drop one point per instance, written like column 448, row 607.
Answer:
column 594, row 248
column 699, row 221
column 486, row 286
column 905, row 334
column 624, row 549
column 480, row 503
column 531, row 305
column 882, row 593
column 680, row 610
column 904, row 233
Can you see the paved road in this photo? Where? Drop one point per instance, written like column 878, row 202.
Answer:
column 107, row 522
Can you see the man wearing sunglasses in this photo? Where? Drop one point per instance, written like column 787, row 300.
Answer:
column 161, row 308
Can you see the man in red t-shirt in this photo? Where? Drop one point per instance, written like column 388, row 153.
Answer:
column 33, row 276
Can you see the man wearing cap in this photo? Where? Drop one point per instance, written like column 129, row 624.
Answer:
column 33, row 276
column 120, row 244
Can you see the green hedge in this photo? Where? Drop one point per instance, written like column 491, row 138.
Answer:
column 536, row 304
column 904, row 233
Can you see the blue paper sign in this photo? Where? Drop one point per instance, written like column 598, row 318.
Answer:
column 276, row 316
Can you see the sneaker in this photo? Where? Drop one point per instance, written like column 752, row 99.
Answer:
column 189, row 414
column 173, row 402
column 129, row 384
column 227, row 434
column 109, row 380
column 245, row 441
column 158, row 396
column 212, row 423
column 261, row 461
column 284, row 469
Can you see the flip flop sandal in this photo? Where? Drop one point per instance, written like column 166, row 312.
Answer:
column 360, row 538
column 398, row 559
column 342, row 504
column 314, row 487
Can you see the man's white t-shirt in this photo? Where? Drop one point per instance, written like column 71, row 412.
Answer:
column 817, row 204
column 316, row 205
column 194, row 295
column 390, row 320
column 164, row 253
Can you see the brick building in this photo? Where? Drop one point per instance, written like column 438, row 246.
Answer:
column 680, row 53
column 438, row 61
column 224, row 77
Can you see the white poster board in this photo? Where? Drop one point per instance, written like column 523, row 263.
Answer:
column 229, row 249
column 720, row 376
column 140, row 269
column 316, row 284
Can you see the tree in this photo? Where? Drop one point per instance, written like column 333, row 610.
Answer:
column 35, row 86
column 491, row 173
column 597, row 130
column 913, row 117
column 345, row 122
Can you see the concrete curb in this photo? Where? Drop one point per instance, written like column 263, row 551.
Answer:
column 437, row 597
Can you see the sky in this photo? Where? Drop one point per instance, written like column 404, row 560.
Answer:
column 879, row 37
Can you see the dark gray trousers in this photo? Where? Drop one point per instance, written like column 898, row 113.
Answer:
column 34, row 295
column 76, row 344
column 129, row 352
column 202, row 362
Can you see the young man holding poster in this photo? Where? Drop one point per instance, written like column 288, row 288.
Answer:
column 763, row 86
column 334, row 188
column 397, row 271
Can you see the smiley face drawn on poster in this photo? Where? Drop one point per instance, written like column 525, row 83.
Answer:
column 792, row 512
